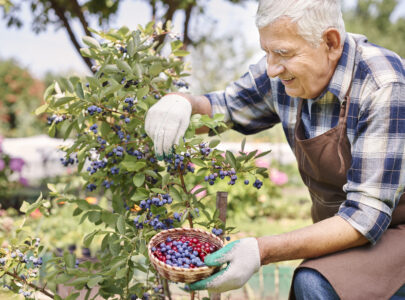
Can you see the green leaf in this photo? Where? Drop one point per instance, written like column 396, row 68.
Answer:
column 139, row 179
column 181, row 53
column 52, row 130
column 198, row 162
column 123, row 65
column 214, row 143
column 131, row 47
column 121, row 225
column 114, row 245
column 165, row 179
column 79, row 90
column 262, row 154
column 28, row 208
column 65, row 84
column 251, row 155
column 157, row 191
column 140, row 194
column 72, row 296
column 48, row 92
column 151, row 173
column 41, row 109
column 175, row 45
column 94, row 281
column 91, row 42
column 69, row 260
column 111, row 69
column 133, row 166
column 243, row 144
column 63, row 100
column 94, row 216
column 230, row 158
column 109, row 218
column 142, row 92
column 155, row 68
column 137, row 70
column 85, row 52
column 89, row 238
column 175, row 194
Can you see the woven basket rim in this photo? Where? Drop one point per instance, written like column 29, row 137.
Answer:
column 168, row 267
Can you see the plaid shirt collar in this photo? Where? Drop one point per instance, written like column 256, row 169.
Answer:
column 342, row 77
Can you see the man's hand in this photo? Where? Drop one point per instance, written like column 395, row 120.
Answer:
column 243, row 260
column 167, row 121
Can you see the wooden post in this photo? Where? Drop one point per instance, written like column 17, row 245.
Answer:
column 222, row 202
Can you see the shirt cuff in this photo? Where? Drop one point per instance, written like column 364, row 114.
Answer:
column 218, row 105
column 370, row 222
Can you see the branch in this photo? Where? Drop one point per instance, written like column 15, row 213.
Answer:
column 186, row 39
column 60, row 12
column 35, row 287
column 78, row 10
column 168, row 16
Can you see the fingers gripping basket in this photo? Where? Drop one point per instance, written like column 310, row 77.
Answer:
column 177, row 274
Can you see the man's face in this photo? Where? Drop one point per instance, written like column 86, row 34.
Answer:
column 304, row 70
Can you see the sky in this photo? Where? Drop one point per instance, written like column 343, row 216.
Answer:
column 53, row 51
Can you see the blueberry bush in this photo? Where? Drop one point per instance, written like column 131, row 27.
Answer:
column 104, row 117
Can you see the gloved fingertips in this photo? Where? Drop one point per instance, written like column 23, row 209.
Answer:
column 205, row 283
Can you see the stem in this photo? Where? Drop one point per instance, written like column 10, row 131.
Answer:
column 37, row 288
column 189, row 218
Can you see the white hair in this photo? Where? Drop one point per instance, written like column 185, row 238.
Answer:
column 312, row 17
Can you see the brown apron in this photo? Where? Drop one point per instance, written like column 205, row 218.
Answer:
column 366, row 272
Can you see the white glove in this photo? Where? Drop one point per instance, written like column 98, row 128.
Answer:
column 167, row 121
column 243, row 258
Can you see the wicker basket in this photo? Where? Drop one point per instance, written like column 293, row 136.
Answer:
column 177, row 274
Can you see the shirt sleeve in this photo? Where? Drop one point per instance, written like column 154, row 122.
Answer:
column 247, row 103
column 376, row 178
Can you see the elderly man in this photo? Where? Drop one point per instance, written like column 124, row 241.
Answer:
column 341, row 102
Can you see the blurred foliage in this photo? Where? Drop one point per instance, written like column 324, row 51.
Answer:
column 63, row 13
column 20, row 94
column 373, row 18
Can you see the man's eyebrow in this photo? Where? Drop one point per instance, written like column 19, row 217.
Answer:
column 281, row 51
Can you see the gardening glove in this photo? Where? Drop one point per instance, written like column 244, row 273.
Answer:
column 243, row 258
column 167, row 121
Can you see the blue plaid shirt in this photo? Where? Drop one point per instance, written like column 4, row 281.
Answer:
column 375, row 124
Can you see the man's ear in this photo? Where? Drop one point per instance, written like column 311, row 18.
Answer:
column 333, row 42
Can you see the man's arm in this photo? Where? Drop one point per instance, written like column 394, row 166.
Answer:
column 328, row 236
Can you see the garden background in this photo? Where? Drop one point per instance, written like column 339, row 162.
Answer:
column 40, row 43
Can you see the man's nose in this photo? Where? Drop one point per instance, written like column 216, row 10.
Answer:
column 274, row 67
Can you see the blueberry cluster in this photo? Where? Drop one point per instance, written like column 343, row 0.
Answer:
column 222, row 174
column 96, row 165
column 91, row 187
column 114, row 170
column 216, row 231
column 137, row 153
column 118, row 151
column 158, row 201
column 257, row 184
column 177, row 216
column 179, row 253
column 94, row 128
column 180, row 162
column 107, row 184
column 204, row 150
column 180, row 83
column 55, row 118
column 67, row 161
column 154, row 221
column 94, row 109
column 130, row 101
